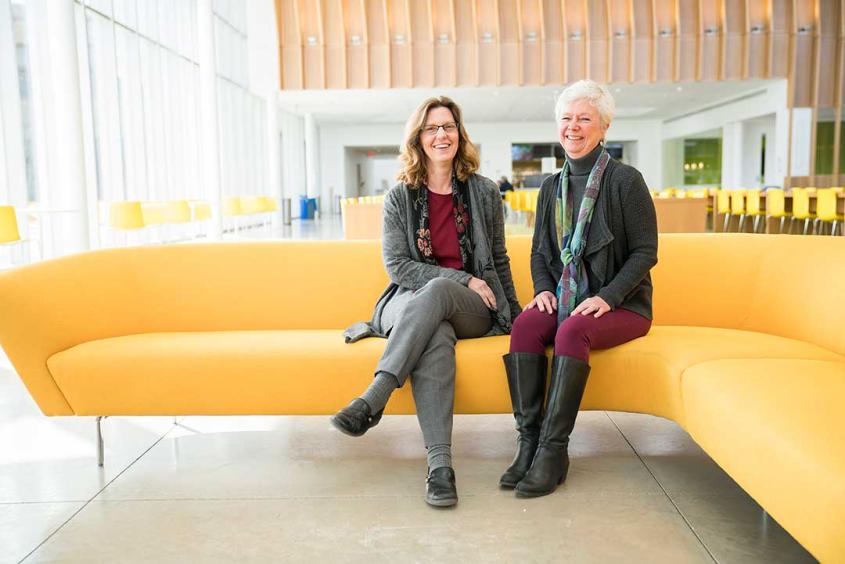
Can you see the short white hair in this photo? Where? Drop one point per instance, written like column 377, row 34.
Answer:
column 598, row 96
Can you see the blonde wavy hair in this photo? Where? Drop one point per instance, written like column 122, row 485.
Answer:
column 412, row 156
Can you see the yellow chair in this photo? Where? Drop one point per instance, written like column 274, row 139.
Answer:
column 752, row 209
column 232, row 207
column 154, row 213
column 723, row 207
column 801, row 208
column 251, row 205
column 9, row 233
column 737, row 196
column 826, row 211
column 667, row 193
column 202, row 211
column 126, row 216
column 776, row 206
column 269, row 204
column 177, row 211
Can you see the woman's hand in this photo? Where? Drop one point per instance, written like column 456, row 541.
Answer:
column 481, row 288
column 594, row 305
column 544, row 301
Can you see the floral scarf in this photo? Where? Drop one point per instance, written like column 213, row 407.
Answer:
column 573, row 286
column 460, row 205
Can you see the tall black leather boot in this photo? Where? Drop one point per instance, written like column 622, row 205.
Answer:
column 527, row 383
column 551, row 462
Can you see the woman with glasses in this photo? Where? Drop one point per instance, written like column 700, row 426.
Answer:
column 450, row 278
column 595, row 241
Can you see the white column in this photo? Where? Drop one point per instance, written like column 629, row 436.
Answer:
column 12, row 161
column 802, row 132
column 208, row 114
column 53, row 26
column 495, row 157
column 273, row 156
column 312, row 151
column 293, row 160
column 673, row 165
column 732, row 149
column 781, row 147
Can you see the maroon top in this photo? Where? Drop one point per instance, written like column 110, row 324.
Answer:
column 444, row 234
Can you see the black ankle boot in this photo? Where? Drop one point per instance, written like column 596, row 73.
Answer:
column 356, row 418
column 551, row 462
column 527, row 384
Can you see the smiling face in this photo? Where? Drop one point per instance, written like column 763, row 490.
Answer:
column 580, row 128
column 440, row 144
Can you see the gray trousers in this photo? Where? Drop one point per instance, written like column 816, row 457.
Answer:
column 421, row 345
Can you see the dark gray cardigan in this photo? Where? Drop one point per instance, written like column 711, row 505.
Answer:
column 621, row 247
column 408, row 272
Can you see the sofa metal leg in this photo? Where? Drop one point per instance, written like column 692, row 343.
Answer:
column 100, row 449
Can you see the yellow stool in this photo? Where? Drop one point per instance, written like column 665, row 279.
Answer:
column 826, row 210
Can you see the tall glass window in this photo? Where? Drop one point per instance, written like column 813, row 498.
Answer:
column 145, row 100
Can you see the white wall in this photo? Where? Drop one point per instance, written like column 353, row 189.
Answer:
column 752, row 153
column 742, row 122
column 494, row 139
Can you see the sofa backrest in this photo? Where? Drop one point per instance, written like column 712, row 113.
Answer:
column 786, row 285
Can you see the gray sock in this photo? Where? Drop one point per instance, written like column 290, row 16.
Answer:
column 379, row 391
column 439, row 456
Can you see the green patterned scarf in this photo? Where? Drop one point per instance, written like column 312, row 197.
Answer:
column 573, row 286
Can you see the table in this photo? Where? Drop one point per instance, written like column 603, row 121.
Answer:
column 681, row 215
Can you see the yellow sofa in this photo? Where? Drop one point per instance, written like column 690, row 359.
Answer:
column 747, row 353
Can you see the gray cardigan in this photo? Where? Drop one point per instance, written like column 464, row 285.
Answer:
column 621, row 247
column 408, row 272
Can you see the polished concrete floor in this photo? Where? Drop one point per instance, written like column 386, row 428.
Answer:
column 266, row 489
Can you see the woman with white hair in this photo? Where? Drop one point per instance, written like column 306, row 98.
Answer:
column 595, row 241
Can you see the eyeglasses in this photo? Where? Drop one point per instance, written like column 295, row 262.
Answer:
column 448, row 128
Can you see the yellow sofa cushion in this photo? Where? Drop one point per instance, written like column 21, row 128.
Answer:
column 315, row 372
column 644, row 375
column 777, row 426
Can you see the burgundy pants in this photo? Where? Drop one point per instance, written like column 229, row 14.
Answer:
column 578, row 334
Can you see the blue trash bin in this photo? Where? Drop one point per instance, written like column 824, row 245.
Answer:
column 306, row 208
column 312, row 207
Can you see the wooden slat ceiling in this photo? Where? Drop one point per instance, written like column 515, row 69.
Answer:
column 344, row 44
